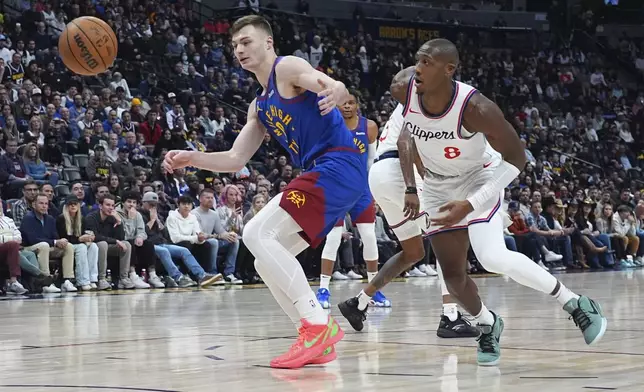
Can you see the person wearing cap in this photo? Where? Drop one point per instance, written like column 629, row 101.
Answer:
column 98, row 167
column 37, row 227
column 69, row 225
column 166, row 251
column 123, row 167
column 559, row 236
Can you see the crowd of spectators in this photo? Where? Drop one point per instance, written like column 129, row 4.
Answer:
column 80, row 155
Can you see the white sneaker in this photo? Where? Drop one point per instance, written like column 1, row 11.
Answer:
column 138, row 282
column 354, row 275
column 93, row 286
column 337, row 275
column 416, row 273
column 16, row 288
column 552, row 256
column 86, row 287
column 125, row 283
column 639, row 261
column 540, row 264
column 427, row 270
column 68, row 287
column 232, row 279
column 103, row 285
column 156, row 282
column 51, row 289
column 406, row 275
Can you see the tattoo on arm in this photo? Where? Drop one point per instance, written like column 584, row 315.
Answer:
column 407, row 153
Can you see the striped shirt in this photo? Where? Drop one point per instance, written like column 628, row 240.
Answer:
column 8, row 230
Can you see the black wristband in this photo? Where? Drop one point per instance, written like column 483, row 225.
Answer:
column 411, row 190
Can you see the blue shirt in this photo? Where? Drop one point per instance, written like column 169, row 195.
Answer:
column 34, row 230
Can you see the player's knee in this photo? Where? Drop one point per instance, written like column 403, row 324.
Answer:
column 368, row 236
column 413, row 249
column 333, row 240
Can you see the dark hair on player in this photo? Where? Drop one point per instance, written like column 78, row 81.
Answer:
column 251, row 20
column 355, row 93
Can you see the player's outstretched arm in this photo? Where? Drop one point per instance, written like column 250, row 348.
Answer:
column 484, row 116
column 231, row 161
column 301, row 74
column 400, row 84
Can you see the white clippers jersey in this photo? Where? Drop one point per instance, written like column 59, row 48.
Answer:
column 444, row 145
column 389, row 137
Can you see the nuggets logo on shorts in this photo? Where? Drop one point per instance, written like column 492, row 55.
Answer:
column 296, row 197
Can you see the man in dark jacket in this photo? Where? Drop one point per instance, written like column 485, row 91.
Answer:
column 38, row 227
column 106, row 225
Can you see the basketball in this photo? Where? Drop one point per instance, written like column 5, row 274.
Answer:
column 88, row 46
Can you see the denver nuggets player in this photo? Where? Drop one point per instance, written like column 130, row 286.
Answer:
column 363, row 213
column 297, row 105
column 388, row 187
column 457, row 133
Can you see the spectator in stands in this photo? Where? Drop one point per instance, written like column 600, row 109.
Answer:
column 122, row 167
column 538, row 225
column 624, row 227
column 587, row 225
column 10, row 240
column 107, row 227
column 20, row 208
column 37, row 228
column 52, row 153
column 166, row 251
column 143, row 254
column 151, row 129
column 231, row 216
column 184, row 230
column 36, row 168
column 98, row 167
column 12, row 164
column 111, row 152
column 259, row 201
column 48, row 190
column 69, row 225
column 560, row 236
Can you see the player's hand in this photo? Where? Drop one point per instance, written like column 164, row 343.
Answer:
column 412, row 206
column 456, row 212
column 332, row 94
column 176, row 159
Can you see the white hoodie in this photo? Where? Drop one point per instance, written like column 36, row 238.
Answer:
column 182, row 229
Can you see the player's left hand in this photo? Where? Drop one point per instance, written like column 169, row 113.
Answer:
column 457, row 211
column 332, row 94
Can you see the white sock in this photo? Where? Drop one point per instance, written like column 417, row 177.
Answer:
column 563, row 295
column 371, row 275
column 324, row 281
column 152, row 273
column 450, row 311
column 363, row 300
column 310, row 309
column 485, row 317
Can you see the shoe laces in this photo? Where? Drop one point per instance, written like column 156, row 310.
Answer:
column 487, row 342
column 581, row 319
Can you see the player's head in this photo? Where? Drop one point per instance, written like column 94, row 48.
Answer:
column 252, row 39
column 349, row 108
column 437, row 61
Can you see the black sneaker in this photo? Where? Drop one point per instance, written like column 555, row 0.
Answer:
column 354, row 316
column 459, row 328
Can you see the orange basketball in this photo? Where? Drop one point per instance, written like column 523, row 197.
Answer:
column 88, row 46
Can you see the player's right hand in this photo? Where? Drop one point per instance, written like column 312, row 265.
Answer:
column 176, row 159
column 412, row 206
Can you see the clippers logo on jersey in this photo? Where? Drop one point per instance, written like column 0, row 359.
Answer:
column 279, row 121
column 296, row 197
column 424, row 134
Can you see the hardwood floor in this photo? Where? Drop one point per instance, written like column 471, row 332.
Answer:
column 221, row 339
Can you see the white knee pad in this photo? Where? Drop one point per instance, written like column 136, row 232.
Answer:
column 333, row 240
column 370, row 245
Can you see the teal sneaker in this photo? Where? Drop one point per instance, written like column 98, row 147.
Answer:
column 488, row 352
column 589, row 317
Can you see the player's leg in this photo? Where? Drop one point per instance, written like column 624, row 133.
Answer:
column 488, row 245
column 265, row 236
column 367, row 233
column 329, row 255
column 450, row 247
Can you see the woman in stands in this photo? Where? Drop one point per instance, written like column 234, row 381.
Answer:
column 259, row 201
column 69, row 226
column 35, row 167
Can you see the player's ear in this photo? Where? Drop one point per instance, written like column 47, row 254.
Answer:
column 450, row 69
column 269, row 42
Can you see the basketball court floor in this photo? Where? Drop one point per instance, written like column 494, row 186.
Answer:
column 221, row 339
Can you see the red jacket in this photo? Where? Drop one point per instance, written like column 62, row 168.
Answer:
column 152, row 136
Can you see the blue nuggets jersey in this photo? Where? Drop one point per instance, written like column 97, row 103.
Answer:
column 296, row 124
column 361, row 137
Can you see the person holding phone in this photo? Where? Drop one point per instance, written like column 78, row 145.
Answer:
column 231, row 216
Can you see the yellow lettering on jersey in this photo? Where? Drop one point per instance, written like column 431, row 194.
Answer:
column 360, row 145
column 278, row 120
column 293, row 146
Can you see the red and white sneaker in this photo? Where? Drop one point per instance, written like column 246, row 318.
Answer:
column 311, row 345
